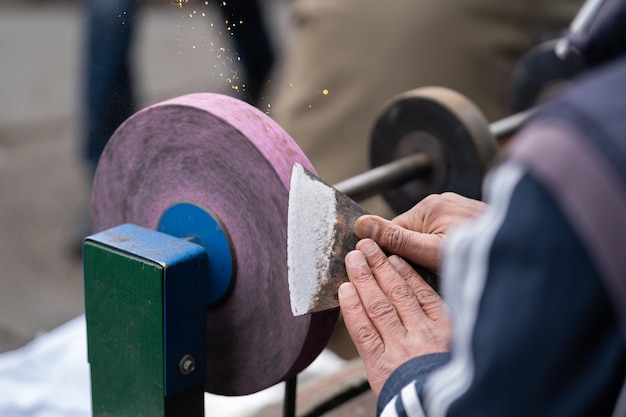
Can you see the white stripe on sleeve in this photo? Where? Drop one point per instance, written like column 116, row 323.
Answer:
column 411, row 401
column 464, row 274
column 390, row 408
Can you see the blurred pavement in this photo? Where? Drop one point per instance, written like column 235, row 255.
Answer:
column 42, row 184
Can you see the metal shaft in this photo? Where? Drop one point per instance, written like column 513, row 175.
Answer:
column 503, row 128
column 385, row 177
column 403, row 170
column 580, row 25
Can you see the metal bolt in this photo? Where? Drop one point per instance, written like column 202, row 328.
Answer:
column 187, row 364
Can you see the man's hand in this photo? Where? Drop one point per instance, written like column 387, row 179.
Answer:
column 391, row 313
column 418, row 234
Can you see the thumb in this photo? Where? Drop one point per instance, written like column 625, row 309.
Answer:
column 420, row 248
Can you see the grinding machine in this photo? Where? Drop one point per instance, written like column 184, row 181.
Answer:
column 186, row 276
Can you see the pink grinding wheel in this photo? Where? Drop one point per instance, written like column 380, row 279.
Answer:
column 229, row 157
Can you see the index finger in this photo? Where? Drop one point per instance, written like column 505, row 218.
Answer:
column 379, row 309
column 392, row 283
column 430, row 302
column 420, row 248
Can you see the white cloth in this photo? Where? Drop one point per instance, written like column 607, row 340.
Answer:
column 49, row 377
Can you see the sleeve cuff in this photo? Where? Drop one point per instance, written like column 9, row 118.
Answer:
column 416, row 369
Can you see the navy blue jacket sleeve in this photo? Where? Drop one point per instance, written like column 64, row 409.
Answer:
column 534, row 331
column 414, row 372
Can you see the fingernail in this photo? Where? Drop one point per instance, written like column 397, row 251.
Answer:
column 367, row 246
column 366, row 227
column 355, row 258
column 346, row 289
column 396, row 262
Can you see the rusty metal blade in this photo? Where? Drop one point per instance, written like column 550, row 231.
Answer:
column 320, row 232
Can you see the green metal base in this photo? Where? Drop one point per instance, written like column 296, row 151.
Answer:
column 146, row 323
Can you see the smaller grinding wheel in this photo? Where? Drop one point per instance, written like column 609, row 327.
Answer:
column 220, row 155
column 444, row 125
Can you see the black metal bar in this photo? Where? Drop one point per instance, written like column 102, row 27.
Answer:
column 289, row 404
column 403, row 170
column 338, row 399
column 384, row 177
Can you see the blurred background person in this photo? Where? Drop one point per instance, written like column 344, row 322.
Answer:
column 109, row 89
column 110, row 96
column 110, row 93
column 345, row 59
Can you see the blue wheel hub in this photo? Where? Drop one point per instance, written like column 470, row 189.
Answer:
column 198, row 225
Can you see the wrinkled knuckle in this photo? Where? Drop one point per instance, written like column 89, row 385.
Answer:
column 366, row 334
column 381, row 309
column 430, row 200
column 400, row 293
column 439, row 201
column 394, row 238
column 377, row 261
column 427, row 297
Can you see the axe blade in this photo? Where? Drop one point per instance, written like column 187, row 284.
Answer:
column 320, row 232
